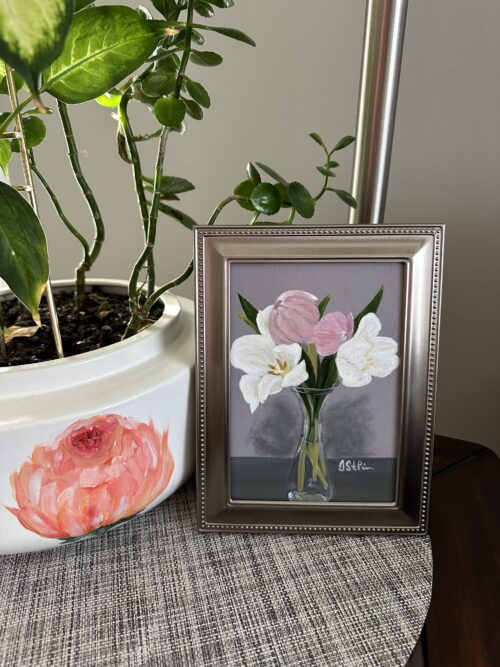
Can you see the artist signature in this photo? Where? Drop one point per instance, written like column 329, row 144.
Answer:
column 353, row 465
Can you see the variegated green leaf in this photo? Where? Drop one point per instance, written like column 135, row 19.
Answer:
column 32, row 34
column 24, row 262
column 103, row 46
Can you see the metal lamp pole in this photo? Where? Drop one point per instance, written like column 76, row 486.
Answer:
column 381, row 66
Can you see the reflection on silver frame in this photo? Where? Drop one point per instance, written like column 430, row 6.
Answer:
column 420, row 248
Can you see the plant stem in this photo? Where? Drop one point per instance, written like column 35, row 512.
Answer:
column 99, row 232
column 83, row 266
column 147, row 137
column 325, row 184
column 139, row 313
column 137, row 320
column 187, row 49
column 138, row 179
column 151, row 230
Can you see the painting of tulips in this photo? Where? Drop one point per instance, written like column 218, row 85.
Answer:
column 314, row 366
column 98, row 473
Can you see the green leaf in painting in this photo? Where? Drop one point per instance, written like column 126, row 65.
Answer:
column 24, row 261
column 327, row 373
column 104, row 45
column 250, row 312
column 323, row 304
column 372, row 307
column 272, row 173
column 343, row 143
column 5, row 155
column 266, row 198
column 34, row 133
column 181, row 217
column 197, row 92
column 32, row 35
column 311, row 380
column 245, row 189
column 206, row 58
column 233, row 33
column 301, row 199
column 170, row 111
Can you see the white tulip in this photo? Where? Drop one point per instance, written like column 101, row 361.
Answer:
column 263, row 321
column 268, row 368
column 366, row 354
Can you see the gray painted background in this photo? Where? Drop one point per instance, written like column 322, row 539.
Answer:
column 358, row 422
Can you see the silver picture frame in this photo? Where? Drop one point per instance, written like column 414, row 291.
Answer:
column 420, row 250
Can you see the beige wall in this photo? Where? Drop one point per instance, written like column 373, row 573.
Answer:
column 303, row 76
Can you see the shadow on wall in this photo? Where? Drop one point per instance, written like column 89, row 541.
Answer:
column 276, row 427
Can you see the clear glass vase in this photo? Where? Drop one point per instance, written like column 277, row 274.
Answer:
column 310, row 480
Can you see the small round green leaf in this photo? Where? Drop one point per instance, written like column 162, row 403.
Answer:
column 342, row 143
column 170, row 112
column 18, row 83
column 197, row 92
column 222, row 4
column 159, row 84
column 203, row 9
column 272, row 173
column 301, row 199
column 345, row 197
column 233, row 33
column 245, row 189
column 34, row 133
column 206, row 58
column 266, row 198
column 253, row 174
column 285, row 201
column 193, row 109
column 315, row 137
column 326, row 172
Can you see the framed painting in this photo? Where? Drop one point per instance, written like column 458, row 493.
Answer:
column 317, row 356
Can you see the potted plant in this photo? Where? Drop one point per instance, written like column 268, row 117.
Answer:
column 104, row 432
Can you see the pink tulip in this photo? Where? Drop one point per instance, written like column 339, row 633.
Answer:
column 99, row 470
column 331, row 331
column 293, row 317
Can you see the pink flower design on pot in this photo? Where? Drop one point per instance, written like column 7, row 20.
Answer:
column 99, row 471
column 331, row 331
column 292, row 318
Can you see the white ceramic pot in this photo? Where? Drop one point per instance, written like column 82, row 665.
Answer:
column 90, row 441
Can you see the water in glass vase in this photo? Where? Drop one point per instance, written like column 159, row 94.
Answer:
column 310, row 480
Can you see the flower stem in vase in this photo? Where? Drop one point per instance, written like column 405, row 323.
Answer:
column 309, row 479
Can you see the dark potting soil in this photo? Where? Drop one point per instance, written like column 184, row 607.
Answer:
column 100, row 322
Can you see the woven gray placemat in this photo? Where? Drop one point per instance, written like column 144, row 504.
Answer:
column 156, row 592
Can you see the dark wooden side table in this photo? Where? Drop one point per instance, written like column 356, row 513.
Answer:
column 462, row 627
